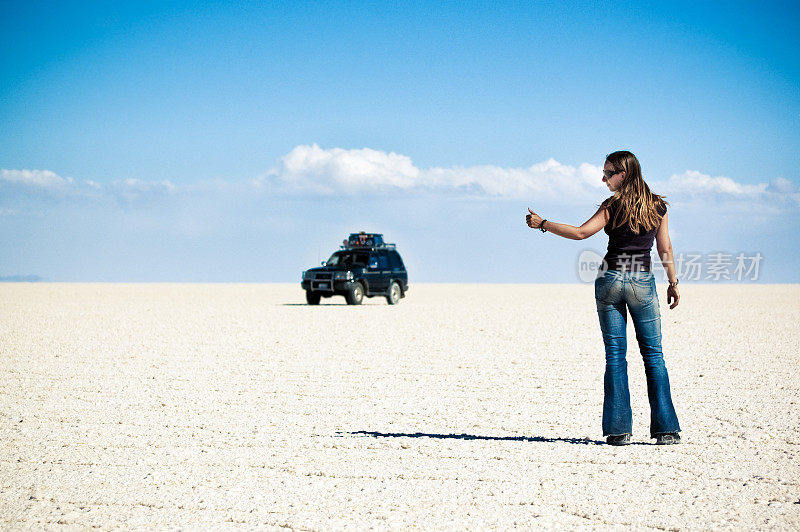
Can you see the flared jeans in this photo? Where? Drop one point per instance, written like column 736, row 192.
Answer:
column 617, row 292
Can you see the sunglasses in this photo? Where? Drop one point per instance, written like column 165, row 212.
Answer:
column 609, row 174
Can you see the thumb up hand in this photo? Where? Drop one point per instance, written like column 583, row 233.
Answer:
column 533, row 220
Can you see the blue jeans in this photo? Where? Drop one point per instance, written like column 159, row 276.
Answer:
column 614, row 291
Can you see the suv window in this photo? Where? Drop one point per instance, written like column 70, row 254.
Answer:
column 383, row 262
column 348, row 258
column 395, row 260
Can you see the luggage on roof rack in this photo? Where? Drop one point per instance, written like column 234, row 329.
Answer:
column 364, row 240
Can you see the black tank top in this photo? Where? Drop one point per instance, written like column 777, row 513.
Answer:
column 628, row 251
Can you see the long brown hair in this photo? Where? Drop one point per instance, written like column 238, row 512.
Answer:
column 638, row 206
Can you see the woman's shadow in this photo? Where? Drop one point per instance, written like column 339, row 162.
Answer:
column 540, row 439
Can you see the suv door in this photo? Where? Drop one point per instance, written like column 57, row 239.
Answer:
column 378, row 272
column 372, row 274
column 385, row 267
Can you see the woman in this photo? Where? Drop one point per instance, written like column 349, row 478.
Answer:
column 632, row 218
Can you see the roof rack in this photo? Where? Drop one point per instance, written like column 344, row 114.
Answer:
column 368, row 241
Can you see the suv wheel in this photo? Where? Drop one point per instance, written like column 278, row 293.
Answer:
column 312, row 298
column 355, row 295
column 394, row 293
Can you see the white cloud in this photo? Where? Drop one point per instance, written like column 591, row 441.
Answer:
column 314, row 170
column 782, row 185
column 35, row 178
column 693, row 182
column 132, row 190
column 311, row 169
column 49, row 183
column 549, row 178
column 696, row 185
column 139, row 186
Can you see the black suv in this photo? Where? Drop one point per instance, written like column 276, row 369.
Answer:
column 365, row 266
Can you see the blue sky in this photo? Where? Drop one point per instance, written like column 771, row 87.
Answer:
column 176, row 141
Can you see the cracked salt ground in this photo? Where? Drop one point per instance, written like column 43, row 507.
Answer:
column 189, row 406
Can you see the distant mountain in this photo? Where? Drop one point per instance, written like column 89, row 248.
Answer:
column 20, row 278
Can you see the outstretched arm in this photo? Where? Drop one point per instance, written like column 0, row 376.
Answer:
column 589, row 227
